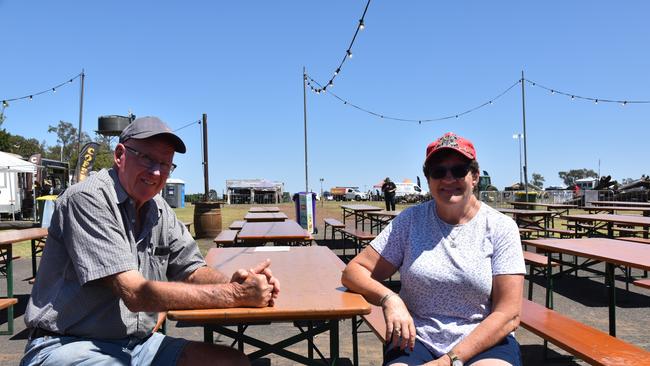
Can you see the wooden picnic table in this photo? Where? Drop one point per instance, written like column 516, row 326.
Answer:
column 358, row 212
column 311, row 290
column 264, row 209
column 7, row 239
column 533, row 219
column 380, row 218
column 265, row 216
column 619, row 203
column 612, row 209
column 607, row 221
column 560, row 208
column 612, row 252
column 275, row 231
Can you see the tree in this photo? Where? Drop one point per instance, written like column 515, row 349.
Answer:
column 538, row 180
column 67, row 137
column 572, row 175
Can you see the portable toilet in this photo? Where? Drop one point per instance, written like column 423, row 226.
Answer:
column 174, row 192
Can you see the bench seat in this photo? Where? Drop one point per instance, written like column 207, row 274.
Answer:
column 564, row 233
column 237, row 225
column 589, row 344
column 642, row 283
column 334, row 224
column 634, row 239
column 7, row 302
column 226, row 237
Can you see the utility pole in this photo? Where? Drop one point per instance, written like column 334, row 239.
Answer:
column 81, row 112
column 206, row 180
column 523, row 111
column 304, row 108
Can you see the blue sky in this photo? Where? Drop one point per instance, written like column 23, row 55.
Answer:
column 241, row 63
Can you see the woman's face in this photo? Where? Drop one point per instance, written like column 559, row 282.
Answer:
column 449, row 190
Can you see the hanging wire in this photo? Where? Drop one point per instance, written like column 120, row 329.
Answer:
column 5, row 102
column 595, row 100
column 348, row 53
column 188, row 125
column 383, row 116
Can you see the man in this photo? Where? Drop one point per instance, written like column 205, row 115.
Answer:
column 389, row 189
column 116, row 256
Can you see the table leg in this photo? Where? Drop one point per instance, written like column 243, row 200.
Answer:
column 609, row 269
column 10, row 290
column 549, row 281
column 34, row 258
column 208, row 337
column 334, row 342
column 355, row 341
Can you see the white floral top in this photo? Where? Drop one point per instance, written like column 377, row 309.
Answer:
column 447, row 270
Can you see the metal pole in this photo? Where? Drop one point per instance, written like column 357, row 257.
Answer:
column 81, row 111
column 304, row 108
column 322, row 199
column 206, row 180
column 521, row 168
column 523, row 111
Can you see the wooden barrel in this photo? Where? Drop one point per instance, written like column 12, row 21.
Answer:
column 207, row 219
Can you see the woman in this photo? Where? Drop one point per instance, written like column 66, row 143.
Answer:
column 461, row 268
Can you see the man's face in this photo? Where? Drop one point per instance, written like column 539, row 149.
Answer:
column 141, row 179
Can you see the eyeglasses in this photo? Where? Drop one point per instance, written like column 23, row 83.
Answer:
column 146, row 161
column 457, row 171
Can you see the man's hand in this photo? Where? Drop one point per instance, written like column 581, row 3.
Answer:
column 254, row 291
column 261, row 269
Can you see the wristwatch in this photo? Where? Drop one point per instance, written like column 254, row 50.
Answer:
column 455, row 361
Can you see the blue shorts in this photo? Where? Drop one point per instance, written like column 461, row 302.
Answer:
column 506, row 350
column 156, row 349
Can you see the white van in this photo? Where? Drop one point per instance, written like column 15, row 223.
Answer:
column 408, row 189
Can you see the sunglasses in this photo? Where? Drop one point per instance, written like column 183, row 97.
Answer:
column 457, row 171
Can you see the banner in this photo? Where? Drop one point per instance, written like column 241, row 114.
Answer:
column 85, row 162
column 36, row 159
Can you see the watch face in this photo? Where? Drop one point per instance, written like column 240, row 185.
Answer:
column 457, row 363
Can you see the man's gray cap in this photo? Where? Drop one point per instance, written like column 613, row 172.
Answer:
column 146, row 127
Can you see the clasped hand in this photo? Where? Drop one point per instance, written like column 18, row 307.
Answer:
column 259, row 287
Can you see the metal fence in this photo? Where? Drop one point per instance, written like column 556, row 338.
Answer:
column 501, row 198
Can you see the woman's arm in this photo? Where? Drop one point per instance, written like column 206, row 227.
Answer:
column 363, row 275
column 506, row 307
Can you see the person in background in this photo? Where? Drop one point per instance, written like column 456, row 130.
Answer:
column 461, row 269
column 117, row 258
column 389, row 188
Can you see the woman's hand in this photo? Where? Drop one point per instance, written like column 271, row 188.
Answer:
column 399, row 324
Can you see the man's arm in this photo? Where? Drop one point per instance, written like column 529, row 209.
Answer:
column 140, row 294
column 207, row 275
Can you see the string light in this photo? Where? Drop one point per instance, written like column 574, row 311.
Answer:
column 593, row 99
column 32, row 95
column 348, row 53
column 419, row 120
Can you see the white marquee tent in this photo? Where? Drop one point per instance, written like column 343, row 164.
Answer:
column 10, row 196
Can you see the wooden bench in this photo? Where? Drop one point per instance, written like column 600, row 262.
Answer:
column 628, row 231
column 334, row 224
column 564, row 233
column 537, row 263
column 359, row 237
column 5, row 303
column 589, row 344
column 642, row 283
column 237, row 225
column 226, row 237
column 634, row 239
column 526, row 233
